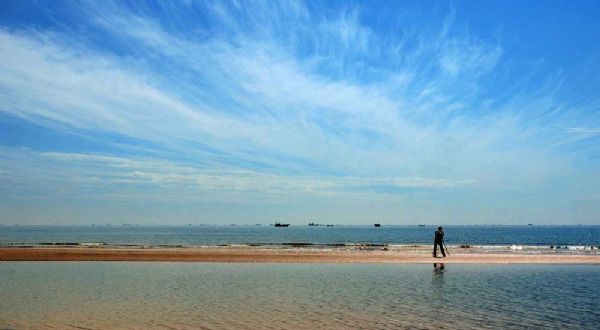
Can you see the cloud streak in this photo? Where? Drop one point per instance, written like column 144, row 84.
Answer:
column 286, row 99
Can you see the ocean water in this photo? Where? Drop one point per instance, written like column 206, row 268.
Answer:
column 219, row 235
column 112, row 295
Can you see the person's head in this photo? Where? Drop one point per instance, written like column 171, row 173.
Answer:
column 440, row 228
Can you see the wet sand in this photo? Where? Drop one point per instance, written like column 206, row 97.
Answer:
column 292, row 255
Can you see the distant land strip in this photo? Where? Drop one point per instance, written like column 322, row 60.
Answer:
column 292, row 255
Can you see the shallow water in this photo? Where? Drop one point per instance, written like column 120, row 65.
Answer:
column 217, row 235
column 101, row 295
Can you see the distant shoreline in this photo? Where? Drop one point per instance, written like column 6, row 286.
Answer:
column 414, row 255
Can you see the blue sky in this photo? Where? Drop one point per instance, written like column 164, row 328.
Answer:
column 475, row 112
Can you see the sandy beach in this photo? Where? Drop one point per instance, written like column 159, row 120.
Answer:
column 291, row 255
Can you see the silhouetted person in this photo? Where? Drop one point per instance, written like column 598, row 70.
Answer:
column 438, row 241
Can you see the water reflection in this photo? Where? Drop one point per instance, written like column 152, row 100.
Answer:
column 438, row 298
column 438, row 279
column 113, row 295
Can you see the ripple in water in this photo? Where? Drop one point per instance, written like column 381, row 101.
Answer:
column 101, row 295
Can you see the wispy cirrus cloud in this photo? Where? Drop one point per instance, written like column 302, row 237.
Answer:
column 288, row 99
column 76, row 168
column 585, row 131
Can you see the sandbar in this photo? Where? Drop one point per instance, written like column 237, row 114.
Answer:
column 291, row 255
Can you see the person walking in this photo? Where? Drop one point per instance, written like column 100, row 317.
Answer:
column 439, row 241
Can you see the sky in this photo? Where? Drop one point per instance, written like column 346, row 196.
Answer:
column 342, row 112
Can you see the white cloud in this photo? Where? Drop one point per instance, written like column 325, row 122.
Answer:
column 585, row 131
column 290, row 101
column 274, row 108
column 101, row 176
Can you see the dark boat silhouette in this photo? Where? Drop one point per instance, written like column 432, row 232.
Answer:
column 279, row 224
column 377, row 225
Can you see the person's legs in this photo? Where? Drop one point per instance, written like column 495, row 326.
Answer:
column 435, row 246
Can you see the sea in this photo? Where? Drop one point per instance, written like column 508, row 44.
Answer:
column 176, row 295
column 131, row 235
column 171, row 295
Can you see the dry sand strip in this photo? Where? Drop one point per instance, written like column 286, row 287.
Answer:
column 279, row 255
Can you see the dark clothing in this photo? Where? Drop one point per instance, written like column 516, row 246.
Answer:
column 438, row 241
column 441, row 245
column 439, row 236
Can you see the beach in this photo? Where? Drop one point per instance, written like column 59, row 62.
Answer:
column 359, row 254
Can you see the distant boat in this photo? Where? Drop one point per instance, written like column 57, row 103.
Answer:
column 377, row 225
column 329, row 225
column 421, row 225
column 312, row 224
column 279, row 224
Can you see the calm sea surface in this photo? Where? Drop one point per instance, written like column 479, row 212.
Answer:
column 109, row 295
column 217, row 235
